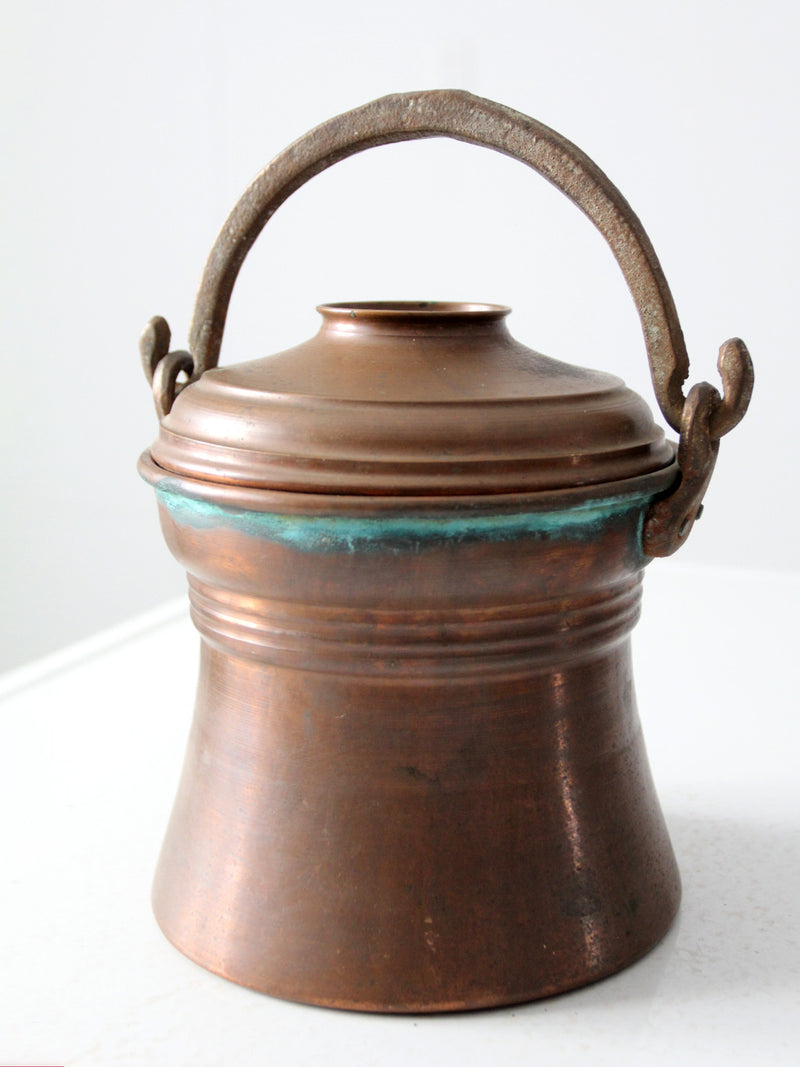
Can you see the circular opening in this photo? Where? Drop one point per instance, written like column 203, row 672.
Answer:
column 393, row 309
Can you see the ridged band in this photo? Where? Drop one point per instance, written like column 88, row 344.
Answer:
column 448, row 644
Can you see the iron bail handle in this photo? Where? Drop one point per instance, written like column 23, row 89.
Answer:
column 464, row 117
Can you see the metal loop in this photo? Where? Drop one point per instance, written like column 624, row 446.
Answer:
column 670, row 519
column 736, row 370
column 154, row 345
column 161, row 366
column 165, row 380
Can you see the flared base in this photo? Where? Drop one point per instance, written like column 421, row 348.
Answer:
column 424, row 846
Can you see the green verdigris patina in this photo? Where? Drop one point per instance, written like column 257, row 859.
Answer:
column 397, row 531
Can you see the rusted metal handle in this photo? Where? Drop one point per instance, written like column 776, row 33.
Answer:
column 459, row 115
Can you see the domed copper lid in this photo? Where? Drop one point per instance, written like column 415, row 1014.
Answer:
column 410, row 399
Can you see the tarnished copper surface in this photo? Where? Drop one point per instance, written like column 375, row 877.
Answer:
column 416, row 779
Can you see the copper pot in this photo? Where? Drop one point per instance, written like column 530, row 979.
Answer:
column 416, row 779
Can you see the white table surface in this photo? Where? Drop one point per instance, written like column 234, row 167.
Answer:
column 91, row 744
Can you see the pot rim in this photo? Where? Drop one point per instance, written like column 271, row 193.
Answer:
column 642, row 488
column 413, row 310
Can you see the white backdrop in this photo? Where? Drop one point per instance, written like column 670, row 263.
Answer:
column 129, row 131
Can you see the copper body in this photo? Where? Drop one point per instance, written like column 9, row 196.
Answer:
column 416, row 778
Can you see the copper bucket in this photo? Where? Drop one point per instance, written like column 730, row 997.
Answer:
column 416, row 779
